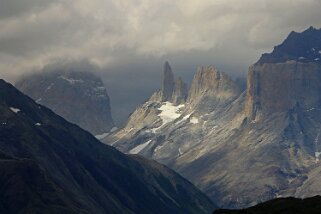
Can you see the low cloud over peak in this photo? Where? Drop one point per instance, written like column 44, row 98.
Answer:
column 140, row 35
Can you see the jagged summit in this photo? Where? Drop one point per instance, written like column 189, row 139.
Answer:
column 301, row 47
column 180, row 92
column 241, row 148
column 174, row 91
column 287, row 78
column 211, row 88
column 168, row 82
column 210, row 80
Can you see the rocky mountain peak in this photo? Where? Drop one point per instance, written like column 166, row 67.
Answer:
column 174, row 91
column 211, row 141
column 180, row 92
column 302, row 47
column 289, row 76
column 168, row 82
column 208, row 80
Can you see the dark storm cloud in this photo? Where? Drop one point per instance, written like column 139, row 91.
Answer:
column 130, row 40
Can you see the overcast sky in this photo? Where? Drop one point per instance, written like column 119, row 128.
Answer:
column 130, row 39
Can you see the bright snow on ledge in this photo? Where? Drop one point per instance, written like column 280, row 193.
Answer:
column 15, row 110
column 169, row 112
column 139, row 148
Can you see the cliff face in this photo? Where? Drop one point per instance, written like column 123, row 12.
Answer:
column 180, row 92
column 168, row 83
column 242, row 148
column 289, row 76
column 80, row 97
column 210, row 82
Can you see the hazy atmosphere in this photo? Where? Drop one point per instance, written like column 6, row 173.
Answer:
column 130, row 40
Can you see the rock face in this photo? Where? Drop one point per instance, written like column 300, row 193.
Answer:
column 240, row 148
column 48, row 165
column 168, row 83
column 174, row 91
column 176, row 134
column 282, row 86
column 79, row 97
column 209, row 84
column 179, row 95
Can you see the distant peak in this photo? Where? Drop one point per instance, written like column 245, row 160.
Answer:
column 312, row 28
column 301, row 47
column 167, row 66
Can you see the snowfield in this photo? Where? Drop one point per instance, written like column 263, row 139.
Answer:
column 169, row 112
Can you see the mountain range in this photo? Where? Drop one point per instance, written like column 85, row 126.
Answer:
column 239, row 147
column 49, row 165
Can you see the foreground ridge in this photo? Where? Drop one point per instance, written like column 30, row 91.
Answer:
column 48, row 165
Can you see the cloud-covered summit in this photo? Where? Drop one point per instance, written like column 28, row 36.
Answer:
column 104, row 31
column 133, row 38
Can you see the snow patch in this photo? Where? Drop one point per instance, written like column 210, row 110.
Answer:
column 214, row 127
column 100, row 89
column 186, row 117
column 317, row 155
column 158, row 148
column 38, row 124
column 277, row 195
column 102, row 136
column 194, row 120
column 311, row 109
column 183, row 119
column 71, row 81
column 15, row 110
column 37, row 101
column 50, row 86
column 169, row 112
column 129, row 130
column 114, row 129
column 180, row 151
column 139, row 148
